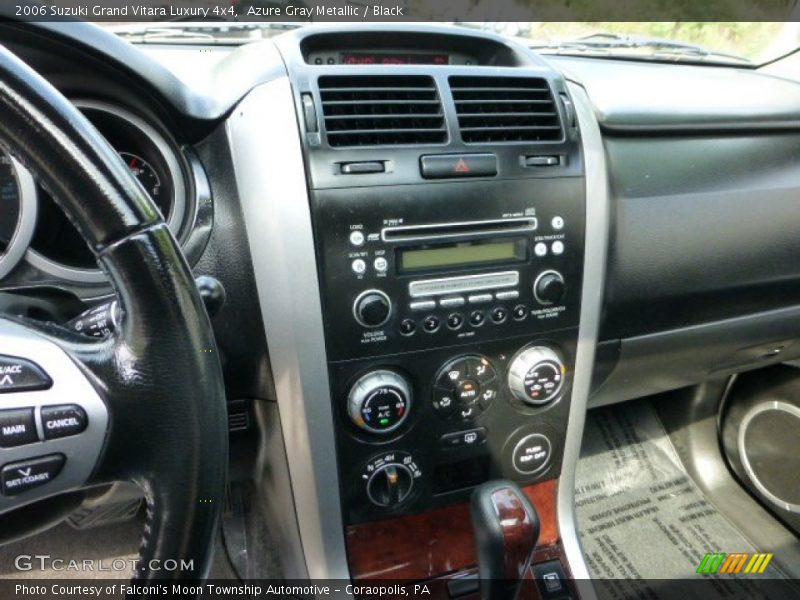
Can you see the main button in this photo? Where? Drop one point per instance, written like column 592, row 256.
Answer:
column 63, row 420
column 20, row 375
column 441, row 166
column 25, row 475
column 17, row 427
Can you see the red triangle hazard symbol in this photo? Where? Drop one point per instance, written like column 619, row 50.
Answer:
column 461, row 166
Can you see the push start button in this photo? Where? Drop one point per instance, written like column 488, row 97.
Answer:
column 63, row 420
column 20, row 375
column 531, row 454
column 19, row 477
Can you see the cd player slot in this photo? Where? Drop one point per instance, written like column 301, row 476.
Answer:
column 466, row 229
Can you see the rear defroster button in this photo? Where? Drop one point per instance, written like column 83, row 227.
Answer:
column 19, row 477
column 63, row 420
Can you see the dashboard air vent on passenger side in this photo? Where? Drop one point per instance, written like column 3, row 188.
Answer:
column 379, row 110
column 505, row 109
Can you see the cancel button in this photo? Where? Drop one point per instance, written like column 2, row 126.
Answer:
column 62, row 420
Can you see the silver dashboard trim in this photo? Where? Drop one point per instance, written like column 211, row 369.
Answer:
column 28, row 205
column 267, row 156
column 594, row 269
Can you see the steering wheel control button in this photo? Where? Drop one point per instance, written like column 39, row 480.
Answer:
column 499, row 315
column 379, row 401
column 455, row 321
column 471, row 437
column 19, row 477
column 17, row 427
column 465, row 387
column 531, row 454
column 357, row 238
column 62, row 421
column 520, row 312
column 441, row 166
column 430, row 324
column 408, row 326
column 549, row 288
column 20, row 375
column 372, row 308
column 557, row 223
column 536, row 375
column 476, row 318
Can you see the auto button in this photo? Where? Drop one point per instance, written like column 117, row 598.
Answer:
column 20, row 375
column 19, row 477
column 63, row 420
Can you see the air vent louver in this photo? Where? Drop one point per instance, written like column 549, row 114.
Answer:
column 505, row 109
column 381, row 110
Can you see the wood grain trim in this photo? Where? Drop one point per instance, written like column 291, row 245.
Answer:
column 431, row 544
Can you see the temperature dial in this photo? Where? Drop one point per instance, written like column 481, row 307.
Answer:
column 390, row 478
column 379, row 401
column 536, row 375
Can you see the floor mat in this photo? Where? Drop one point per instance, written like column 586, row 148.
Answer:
column 642, row 520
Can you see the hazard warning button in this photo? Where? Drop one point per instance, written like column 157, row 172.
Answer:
column 20, row 375
column 442, row 166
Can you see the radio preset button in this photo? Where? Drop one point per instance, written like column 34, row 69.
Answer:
column 431, row 323
column 499, row 314
column 452, row 302
column 476, row 318
column 480, row 298
column 540, row 249
column 408, row 326
column 358, row 266
column 520, row 312
column 422, row 305
column 557, row 223
column 508, row 295
column 357, row 238
column 381, row 264
column 455, row 320
column 557, row 248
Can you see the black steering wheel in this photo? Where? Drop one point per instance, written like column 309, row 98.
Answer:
column 146, row 404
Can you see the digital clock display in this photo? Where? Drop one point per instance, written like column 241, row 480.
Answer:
column 393, row 58
column 463, row 254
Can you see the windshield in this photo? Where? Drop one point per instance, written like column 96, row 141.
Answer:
column 743, row 43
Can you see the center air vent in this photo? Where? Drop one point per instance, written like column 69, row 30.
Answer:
column 381, row 110
column 505, row 109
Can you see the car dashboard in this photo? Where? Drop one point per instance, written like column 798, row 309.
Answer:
column 439, row 249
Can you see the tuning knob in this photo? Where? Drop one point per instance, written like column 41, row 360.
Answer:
column 379, row 401
column 536, row 375
column 372, row 308
column 549, row 288
column 390, row 484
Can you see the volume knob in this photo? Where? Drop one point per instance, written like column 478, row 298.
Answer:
column 379, row 401
column 372, row 308
column 536, row 375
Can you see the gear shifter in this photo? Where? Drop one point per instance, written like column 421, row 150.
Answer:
column 506, row 529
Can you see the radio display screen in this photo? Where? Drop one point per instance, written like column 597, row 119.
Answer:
column 463, row 254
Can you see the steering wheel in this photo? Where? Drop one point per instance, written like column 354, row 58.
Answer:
column 147, row 403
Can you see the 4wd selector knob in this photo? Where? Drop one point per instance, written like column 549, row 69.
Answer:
column 372, row 308
column 536, row 375
column 390, row 484
column 379, row 401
